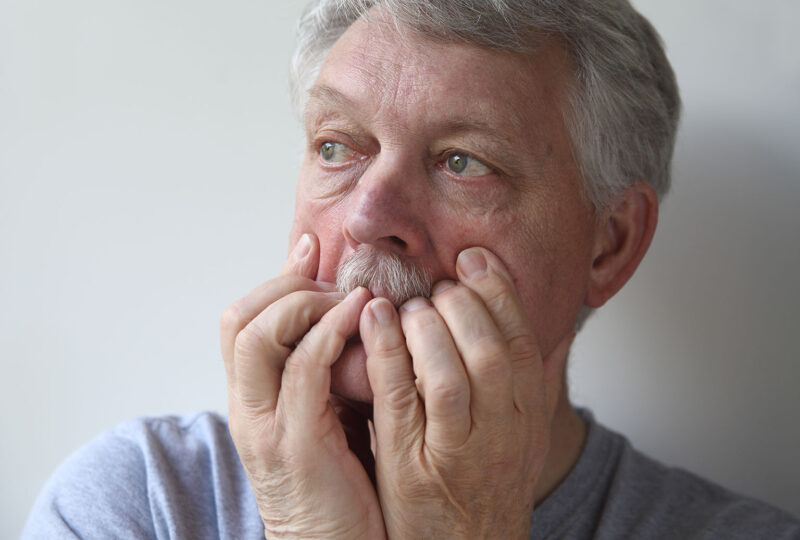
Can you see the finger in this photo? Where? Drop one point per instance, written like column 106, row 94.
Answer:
column 484, row 273
column 441, row 378
column 303, row 260
column 306, row 379
column 397, row 409
column 262, row 347
column 482, row 347
column 297, row 274
column 240, row 313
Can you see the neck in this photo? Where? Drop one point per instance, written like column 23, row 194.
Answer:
column 567, row 436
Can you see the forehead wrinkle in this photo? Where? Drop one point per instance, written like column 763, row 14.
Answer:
column 394, row 88
column 390, row 64
column 404, row 84
column 327, row 103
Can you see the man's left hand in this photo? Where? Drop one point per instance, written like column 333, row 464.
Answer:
column 463, row 402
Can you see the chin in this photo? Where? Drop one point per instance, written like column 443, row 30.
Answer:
column 349, row 374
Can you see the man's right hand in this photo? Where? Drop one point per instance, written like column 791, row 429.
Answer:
column 279, row 343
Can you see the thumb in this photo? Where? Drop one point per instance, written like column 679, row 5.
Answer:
column 304, row 258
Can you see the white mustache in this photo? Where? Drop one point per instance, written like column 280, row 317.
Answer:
column 385, row 274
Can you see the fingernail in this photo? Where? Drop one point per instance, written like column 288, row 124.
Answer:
column 443, row 286
column 472, row 263
column 302, row 248
column 382, row 310
column 415, row 303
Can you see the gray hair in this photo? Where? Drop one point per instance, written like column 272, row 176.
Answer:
column 384, row 273
column 623, row 105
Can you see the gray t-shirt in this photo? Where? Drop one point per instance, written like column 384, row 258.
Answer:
column 180, row 477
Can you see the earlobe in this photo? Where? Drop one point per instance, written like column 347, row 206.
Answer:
column 622, row 238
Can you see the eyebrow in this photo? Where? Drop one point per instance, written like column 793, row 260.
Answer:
column 329, row 95
column 459, row 126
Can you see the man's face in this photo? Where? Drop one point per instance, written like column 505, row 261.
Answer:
column 423, row 149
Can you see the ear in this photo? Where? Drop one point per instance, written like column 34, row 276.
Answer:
column 623, row 234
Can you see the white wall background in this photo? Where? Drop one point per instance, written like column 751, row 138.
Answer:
column 147, row 162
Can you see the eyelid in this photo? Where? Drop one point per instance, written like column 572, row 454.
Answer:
column 358, row 144
column 321, row 137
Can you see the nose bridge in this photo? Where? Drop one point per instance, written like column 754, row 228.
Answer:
column 386, row 205
column 384, row 187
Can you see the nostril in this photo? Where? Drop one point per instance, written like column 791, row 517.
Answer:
column 399, row 242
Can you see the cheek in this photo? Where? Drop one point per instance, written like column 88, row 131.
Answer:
column 454, row 228
column 521, row 242
column 555, row 282
column 322, row 217
column 548, row 256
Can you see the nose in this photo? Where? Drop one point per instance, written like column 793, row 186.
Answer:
column 386, row 208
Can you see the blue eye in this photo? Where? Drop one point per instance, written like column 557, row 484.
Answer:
column 466, row 165
column 334, row 152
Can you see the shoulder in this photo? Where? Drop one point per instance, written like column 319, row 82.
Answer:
column 150, row 477
column 653, row 500
column 615, row 491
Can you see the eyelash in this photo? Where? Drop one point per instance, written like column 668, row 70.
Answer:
column 321, row 142
column 441, row 163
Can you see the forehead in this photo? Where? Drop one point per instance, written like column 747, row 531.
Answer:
column 396, row 74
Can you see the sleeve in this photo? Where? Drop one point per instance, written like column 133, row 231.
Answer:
column 98, row 492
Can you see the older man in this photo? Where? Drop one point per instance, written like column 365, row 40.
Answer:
column 477, row 177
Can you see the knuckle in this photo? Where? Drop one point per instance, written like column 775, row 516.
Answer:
column 421, row 319
column 446, row 393
column 491, row 360
column 249, row 340
column 398, row 398
column 455, row 298
column 297, row 312
column 499, row 297
column 232, row 321
column 302, row 296
column 299, row 358
column 523, row 344
column 390, row 347
column 490, row 346
column 326, row 328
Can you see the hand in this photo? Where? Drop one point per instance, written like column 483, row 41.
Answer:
column 278, row 343
column 462, row 406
